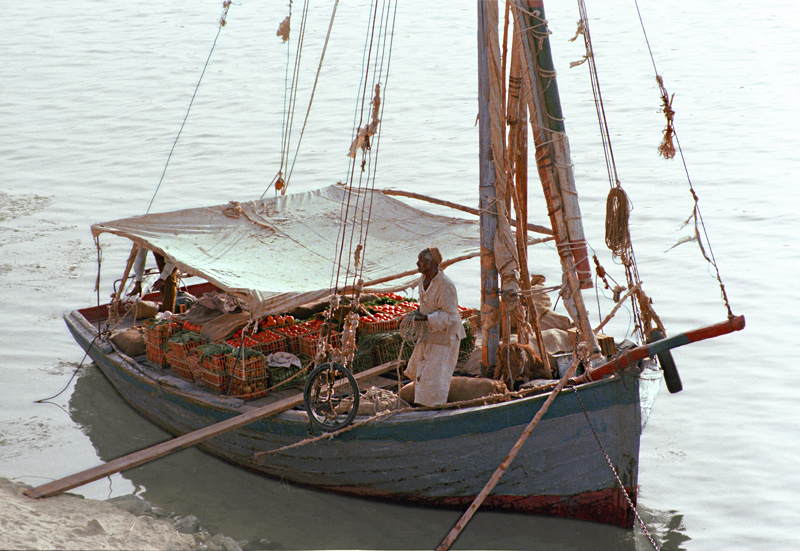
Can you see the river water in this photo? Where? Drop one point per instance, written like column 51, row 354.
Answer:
column 94, row 93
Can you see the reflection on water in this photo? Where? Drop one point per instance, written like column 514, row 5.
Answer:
column 244, row 505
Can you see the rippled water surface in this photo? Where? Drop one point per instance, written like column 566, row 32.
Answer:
column 94, row 93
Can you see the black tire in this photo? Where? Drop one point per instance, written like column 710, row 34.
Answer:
column 671, row 376
column 328, row 390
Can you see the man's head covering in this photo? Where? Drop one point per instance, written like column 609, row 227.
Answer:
column 435, row 255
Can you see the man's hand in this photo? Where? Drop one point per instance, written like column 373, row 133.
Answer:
column 158, row 284
column 137, row 289
column 418, row 316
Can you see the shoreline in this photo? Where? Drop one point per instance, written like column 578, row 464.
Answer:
column 70, row 521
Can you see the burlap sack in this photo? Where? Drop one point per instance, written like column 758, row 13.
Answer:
column 222, row 327
column 130, row 341
column 462, row 388
column 142, row 309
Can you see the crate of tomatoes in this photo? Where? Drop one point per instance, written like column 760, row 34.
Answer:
column 465, row 312
column 310, row 341
column 180, row 366
column 379, row 322
column 156, row 334
column 181, row 343
column 293, row 333
column 249, row 375
column 214, row 372
column 268, row 342
column 247, row 363
column 264, row 341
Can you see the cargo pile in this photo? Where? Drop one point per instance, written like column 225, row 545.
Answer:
column 276, row 353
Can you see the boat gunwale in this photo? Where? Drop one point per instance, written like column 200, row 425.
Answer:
column 231, row 405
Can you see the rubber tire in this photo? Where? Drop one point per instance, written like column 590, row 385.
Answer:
column 671, row 376
column 351, row 415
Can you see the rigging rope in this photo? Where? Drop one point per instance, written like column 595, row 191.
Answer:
column 617, row 205
column 292, row 101
column 379, row 39
column 618, row 238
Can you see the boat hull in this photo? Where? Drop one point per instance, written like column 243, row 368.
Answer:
column 433, row 458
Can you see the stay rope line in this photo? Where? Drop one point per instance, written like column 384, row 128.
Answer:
column 376, row 83
column 222, row 21
column 668, row 152
column 289, row 109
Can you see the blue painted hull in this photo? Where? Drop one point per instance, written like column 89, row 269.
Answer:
column 439, row 458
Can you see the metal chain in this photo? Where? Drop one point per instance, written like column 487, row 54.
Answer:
column 616, row 476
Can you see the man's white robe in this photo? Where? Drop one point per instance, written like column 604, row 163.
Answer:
column 434, row 359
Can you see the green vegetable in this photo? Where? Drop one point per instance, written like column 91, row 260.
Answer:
column 185, row 337
column 214, row 349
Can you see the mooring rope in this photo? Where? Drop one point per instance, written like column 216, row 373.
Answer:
column 614, row 471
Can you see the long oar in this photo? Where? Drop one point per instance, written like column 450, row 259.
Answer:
column 181, row 442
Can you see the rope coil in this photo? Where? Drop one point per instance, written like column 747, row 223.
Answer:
column 618, row 238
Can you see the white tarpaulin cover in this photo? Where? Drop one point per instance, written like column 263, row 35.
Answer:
column 281, row 252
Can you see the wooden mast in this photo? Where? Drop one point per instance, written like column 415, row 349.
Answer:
column 553, row 161
column 490, row 296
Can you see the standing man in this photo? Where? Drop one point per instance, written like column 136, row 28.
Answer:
column 167, row 281
column 434, row 359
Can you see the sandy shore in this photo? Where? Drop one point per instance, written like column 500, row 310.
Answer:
column 71, row 522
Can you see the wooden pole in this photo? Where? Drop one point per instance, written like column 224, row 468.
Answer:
column 500, row 471
column 399, row 193
column 518, row 154
column 735, row 323
column 552, row 158
column 181, row 442
column 490, row 296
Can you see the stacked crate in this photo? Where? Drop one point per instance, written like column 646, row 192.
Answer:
column 156, row 334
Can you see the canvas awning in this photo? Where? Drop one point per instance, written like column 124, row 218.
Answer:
column 283, row 252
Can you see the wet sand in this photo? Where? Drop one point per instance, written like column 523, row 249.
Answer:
column 69, row 521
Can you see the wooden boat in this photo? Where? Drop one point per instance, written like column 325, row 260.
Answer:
column 583, row 460
column 439, row 458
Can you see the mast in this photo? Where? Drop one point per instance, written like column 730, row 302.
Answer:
column 490, row 296
column 553, row 161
